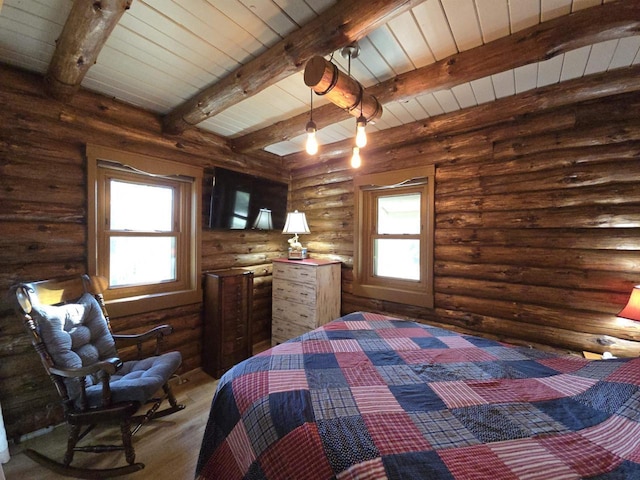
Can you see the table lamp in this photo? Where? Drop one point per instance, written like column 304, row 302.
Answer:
column 296, row 223
column 263, row 220
column 632, row 308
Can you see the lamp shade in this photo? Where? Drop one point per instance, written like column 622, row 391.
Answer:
column 296, row 223
column 632, row 308
column 263, row 220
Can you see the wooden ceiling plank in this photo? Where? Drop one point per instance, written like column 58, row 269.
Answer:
column 504, row 83
column 272, row 15
column 348, row 21
column 493, row 16
column 581, row 4
column 526, row 77
column 434, row 26
column 534, row 44
column 415, row 109
column 600, row 57
column 554, row 8
column 84, row 34
column 447, row 100
column 574, row 63
column 464, row 23
column 407, row 33
column 549, row 71
column 627, row 50
column 523, row 14
column 464, row 95
column 483, row 90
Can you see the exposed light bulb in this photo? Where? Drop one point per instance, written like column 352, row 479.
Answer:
column 361, row 135
column 355, row 159
column 312, row 142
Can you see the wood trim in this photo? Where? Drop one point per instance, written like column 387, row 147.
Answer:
column 397, row 290
column 191, row 289
column 154, row 165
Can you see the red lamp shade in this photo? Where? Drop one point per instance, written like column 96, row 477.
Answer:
column 632, row 309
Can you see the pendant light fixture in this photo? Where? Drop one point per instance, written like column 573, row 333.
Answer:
column 361, row 135
column 361, row 123
column 312, row 141
column 356, row 161
column 324, row 78
column 349, row 52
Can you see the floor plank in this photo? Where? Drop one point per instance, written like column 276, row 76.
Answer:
column 168, row 446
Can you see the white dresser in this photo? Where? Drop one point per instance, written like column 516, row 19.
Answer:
column 306, row 294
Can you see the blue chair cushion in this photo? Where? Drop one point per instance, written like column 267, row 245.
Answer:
column 77, row 335
column 138, row 380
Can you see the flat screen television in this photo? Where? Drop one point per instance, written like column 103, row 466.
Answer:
column 232, row 200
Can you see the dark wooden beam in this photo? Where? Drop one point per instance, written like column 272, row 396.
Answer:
column 534, row 44
column 591, row 87
column 346, row 22
column 85, row 32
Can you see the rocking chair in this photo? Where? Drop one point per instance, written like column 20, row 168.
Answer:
column 70, row 330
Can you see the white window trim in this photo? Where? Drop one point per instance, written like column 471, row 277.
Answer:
column 392, row 289
column 155, row 166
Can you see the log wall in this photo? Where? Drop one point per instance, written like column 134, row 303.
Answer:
column 43, row 224
column 537, row 228
column 537, row 237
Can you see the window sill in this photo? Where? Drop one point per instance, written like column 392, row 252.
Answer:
column 397, row 295
column 122, row 307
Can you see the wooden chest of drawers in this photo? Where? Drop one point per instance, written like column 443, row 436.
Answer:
column 227, row 320
column 306, row 294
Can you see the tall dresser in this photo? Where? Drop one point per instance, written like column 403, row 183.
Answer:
column 228, row 296
column 306, row 295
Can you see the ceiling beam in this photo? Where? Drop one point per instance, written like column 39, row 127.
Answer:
column 342, row 24
column 85, row 32
column 534, row 44
column 598, row 85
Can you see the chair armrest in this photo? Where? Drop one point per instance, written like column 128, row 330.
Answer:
column 158, row 333
column 135, row 339
column 109, row 366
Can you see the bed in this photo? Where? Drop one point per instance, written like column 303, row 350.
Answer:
column 372, row 397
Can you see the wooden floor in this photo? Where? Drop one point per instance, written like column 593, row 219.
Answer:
column 168, row 446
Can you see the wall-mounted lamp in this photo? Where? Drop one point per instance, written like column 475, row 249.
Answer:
column 297, row 224
column 632, row 308
column 263, row 220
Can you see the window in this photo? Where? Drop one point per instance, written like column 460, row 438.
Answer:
column 143, row 230
column 393, row 254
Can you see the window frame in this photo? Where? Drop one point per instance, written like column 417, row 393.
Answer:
column 367, row 188
column 104, row 164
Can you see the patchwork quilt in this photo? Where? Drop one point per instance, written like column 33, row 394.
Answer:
column 372, row 397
